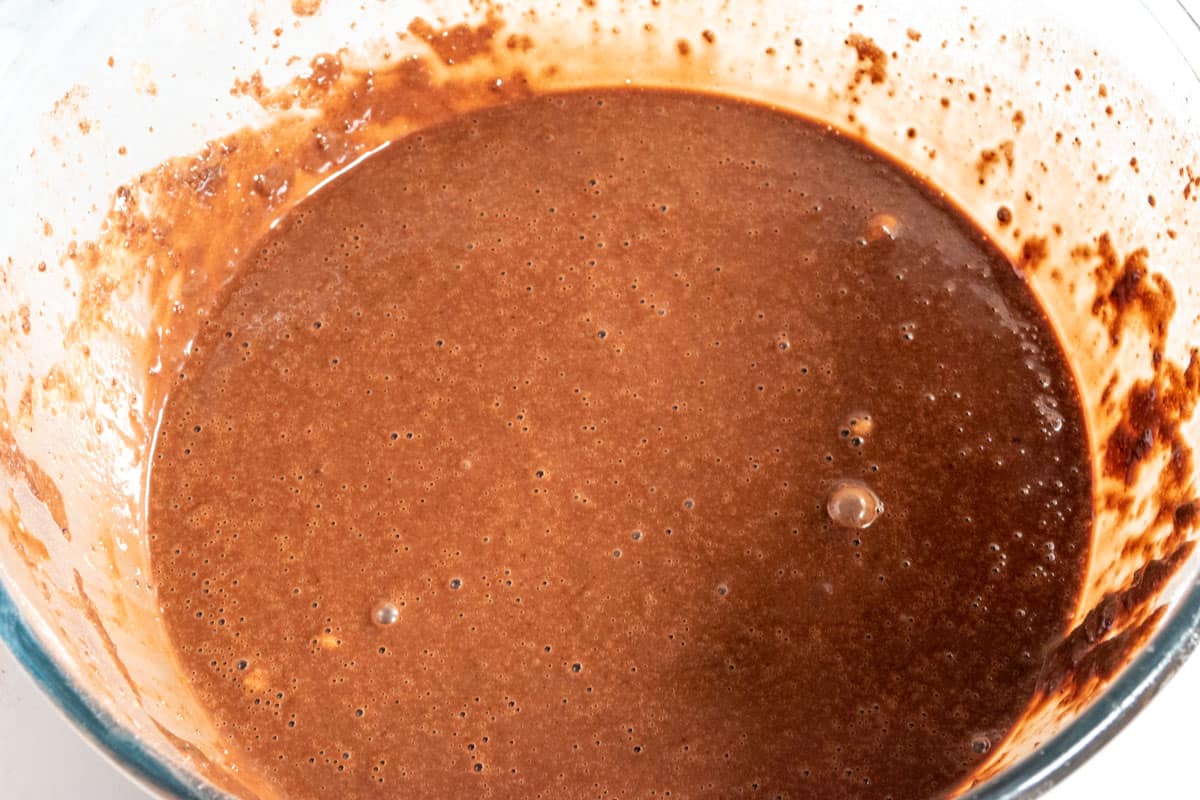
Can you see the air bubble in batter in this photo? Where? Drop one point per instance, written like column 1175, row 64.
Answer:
column 853, row 504
column 385, row 614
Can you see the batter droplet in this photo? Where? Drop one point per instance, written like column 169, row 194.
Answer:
column 852, row 504
column 385, row 614
column 882, row 226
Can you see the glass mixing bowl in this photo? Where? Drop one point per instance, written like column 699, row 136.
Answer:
column 1078, row 119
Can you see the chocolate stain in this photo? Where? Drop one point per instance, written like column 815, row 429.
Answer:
column 991, row 158
column 872, row 60
column 305, row 8
column 30, row 548
column 1099, row 646
column 31, row 475
column 459, row 43
column 93, row 616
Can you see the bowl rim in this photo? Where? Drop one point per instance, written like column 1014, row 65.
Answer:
column 119, row 746
column 1030, row 777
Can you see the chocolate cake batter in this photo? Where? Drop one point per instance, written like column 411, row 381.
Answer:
column 621, row 444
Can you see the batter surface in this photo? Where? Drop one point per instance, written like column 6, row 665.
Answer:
column 621, row 444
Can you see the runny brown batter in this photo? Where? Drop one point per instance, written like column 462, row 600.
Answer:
column 569, row 383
